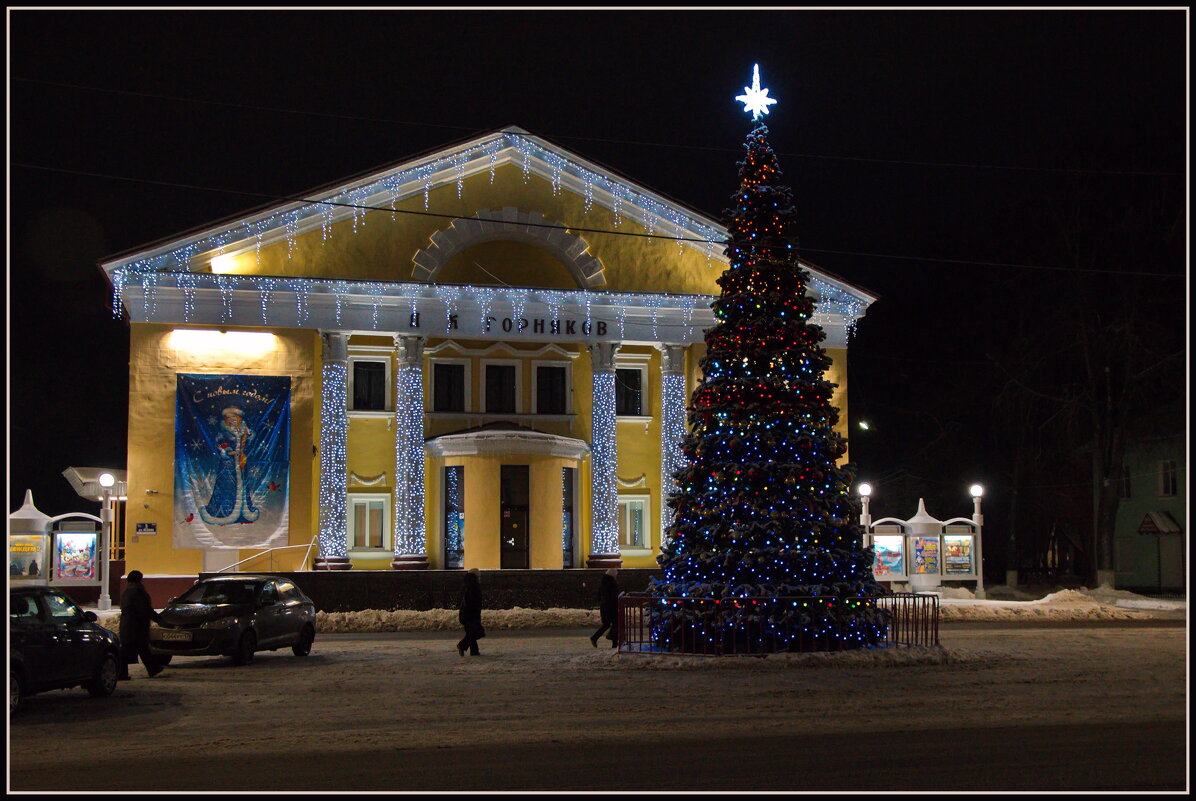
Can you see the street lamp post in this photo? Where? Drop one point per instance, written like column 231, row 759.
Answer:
column 106, row 481
column 865, row 491
column 977, row 492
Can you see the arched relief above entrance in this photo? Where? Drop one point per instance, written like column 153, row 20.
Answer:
column 509, row 224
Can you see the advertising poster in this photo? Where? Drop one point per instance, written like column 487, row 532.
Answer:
column 890, row 555
column 26, row 556
column 75, row 556
column 957, row 555
column 232, row 454
column 926, row 555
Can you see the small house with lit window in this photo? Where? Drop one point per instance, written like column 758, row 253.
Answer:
column 480, row 357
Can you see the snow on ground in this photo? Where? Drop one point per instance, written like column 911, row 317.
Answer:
column 957, row 604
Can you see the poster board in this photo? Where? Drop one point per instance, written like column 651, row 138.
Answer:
column 889, row 562
column 76, row 557
column 926, row 556
column 27, row 557
column 958, row 559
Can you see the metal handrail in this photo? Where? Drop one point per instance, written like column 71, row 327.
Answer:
column 271, row 552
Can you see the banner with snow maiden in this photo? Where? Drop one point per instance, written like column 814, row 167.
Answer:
column 232, row 459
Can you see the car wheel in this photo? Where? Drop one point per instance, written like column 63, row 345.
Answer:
column 306, row 638
column 14, row 691
column 245, row 648
column 104, row 681
column 164, row 659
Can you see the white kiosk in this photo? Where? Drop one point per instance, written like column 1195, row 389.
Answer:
column 923, row 550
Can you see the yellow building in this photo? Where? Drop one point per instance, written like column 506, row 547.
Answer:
column 480, row 357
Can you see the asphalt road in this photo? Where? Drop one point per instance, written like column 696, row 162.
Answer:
column 1150, row 757
column 1112, row 704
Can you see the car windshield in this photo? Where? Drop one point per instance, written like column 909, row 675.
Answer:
column 221, row 592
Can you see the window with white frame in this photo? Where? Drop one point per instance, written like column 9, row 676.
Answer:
column 369, row 522
column 631, row 390
column 500, row 390
column 450, row 385
column 550, row 387
column 1168, row 479
column 1125, row 489
column 634, row 534
column 369, row 384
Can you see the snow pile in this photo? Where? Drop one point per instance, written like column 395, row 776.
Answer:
column 1104, row 604
column 956, row 604
column 444, row 619
column 861, row 658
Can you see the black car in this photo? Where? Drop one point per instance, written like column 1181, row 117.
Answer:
column 53, row 644
column 235, row 616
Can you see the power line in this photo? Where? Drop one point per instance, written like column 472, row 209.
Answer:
column 296, row 199
column 638, row 143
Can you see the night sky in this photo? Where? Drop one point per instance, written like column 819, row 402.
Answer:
column 933, row 156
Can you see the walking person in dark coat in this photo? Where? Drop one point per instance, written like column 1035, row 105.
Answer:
column 136, row 612
column 608, row 607
column 471, row 613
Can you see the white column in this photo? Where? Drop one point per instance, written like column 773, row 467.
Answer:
column 672, row 425
column 604, row 462
column 334, row 436
column 410, row 544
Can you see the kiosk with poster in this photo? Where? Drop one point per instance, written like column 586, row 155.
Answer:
column 925, row 551
column 76, row 554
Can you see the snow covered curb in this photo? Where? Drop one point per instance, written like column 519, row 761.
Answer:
column 955, row 605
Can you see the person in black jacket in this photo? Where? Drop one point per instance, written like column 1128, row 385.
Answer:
column 471, row 613
column 608, row 607
column 136, row 612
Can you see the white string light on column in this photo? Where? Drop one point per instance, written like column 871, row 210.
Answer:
column 603, row 468
column 334, row 428
column 409, row 447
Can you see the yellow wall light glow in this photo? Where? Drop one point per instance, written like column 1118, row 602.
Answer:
column 223, row 264
column 204, row 340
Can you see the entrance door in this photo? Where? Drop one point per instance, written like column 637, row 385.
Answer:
column 513, row 535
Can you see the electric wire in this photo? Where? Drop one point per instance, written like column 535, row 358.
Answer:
column 388, row 209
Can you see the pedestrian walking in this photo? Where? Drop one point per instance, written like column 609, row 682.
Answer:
column 136, row 612
column 470, row 613
column 608, row 608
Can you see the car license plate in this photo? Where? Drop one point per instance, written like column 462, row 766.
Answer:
column 182, row 636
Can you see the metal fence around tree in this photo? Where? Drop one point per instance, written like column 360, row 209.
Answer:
column 652, row 625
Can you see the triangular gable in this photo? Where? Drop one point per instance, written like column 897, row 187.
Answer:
column 379, row 189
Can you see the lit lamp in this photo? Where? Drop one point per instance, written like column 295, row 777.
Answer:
column 977, row 492
column 106, row 481
column 865, row 491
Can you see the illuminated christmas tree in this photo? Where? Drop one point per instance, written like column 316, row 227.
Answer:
column 766, row 539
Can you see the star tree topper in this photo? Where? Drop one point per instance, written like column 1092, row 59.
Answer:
column 755, row 99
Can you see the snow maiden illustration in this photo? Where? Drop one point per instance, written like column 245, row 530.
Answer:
column 230, row 502
column 232, row 460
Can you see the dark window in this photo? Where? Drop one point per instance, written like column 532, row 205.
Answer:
column 550, row 390
column 628, row 392
column 448, row 381
column 369, row 386
column 567, row 515
column 454, row 517
column 500, row 388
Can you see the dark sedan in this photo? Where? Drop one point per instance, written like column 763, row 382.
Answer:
column 236, row 616
column 53, row 644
